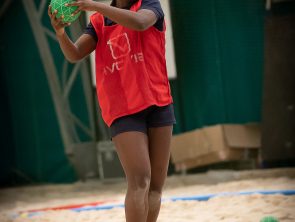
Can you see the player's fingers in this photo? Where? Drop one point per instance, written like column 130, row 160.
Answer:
column 77, row 3
column 76, row 12
column 59, row 21
column 51, row 14
column 54, row 15
column 49, row 10
column 66, row 24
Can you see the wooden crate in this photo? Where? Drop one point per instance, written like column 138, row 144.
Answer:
column 215, row 144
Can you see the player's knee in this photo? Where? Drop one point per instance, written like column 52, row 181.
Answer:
column 143, row 181
column 140, row 182
column 156, row 187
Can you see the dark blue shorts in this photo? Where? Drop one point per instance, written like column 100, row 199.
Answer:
column 153, row 116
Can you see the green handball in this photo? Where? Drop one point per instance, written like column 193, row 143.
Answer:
column 66, row 11
column 269, row 219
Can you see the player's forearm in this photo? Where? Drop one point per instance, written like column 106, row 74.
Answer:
column 123, row 17
column 69, row 49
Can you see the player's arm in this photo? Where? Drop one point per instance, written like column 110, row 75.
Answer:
column 140, row 20
column 72, row 51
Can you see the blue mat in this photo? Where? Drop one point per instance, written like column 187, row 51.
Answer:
column 196, row 198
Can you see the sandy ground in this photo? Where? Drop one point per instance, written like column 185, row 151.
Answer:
column 248, row 208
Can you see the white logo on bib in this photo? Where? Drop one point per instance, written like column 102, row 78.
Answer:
column 119, row 46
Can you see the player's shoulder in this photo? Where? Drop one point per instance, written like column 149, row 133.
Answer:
column 153, row 5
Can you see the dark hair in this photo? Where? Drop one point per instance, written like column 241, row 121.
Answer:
column 131, row 2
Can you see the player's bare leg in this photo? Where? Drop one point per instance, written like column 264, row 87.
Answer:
column 159, row 151
column 132, row 148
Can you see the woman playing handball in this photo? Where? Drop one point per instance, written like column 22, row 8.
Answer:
column 133, row 91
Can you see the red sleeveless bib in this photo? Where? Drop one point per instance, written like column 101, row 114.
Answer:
column 131, row 72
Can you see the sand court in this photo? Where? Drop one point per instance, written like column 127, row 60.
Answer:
column 228, row 208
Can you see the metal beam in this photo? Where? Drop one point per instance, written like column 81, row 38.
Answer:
column 50, row 70
column 60, row 89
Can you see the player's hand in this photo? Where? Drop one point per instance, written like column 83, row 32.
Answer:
column 57, row 24
column 83, row 5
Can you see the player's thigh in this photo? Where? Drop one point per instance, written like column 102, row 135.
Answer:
column 132, row 149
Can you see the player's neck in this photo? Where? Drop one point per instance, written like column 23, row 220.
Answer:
column 122, row 3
